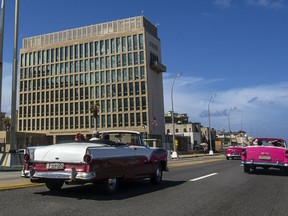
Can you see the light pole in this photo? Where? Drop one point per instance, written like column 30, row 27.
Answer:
column 209, row 129
column 14, row 81
column 174, row 153
column 232, row 108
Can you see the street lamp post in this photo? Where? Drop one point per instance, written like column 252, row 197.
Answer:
column 232, row 108
column 174, row 153
column 209, row 129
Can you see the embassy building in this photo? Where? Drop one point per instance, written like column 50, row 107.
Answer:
column 116, row 65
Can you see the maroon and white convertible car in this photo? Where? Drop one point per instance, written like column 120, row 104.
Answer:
column 124, row 156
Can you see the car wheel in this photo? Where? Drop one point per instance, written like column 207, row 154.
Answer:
column 157, row 176
column 111, row 185
column 227, row 158
column 54, row 184
column 246, row 168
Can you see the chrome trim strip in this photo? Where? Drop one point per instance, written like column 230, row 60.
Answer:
column 277, row 164
column 74, row 176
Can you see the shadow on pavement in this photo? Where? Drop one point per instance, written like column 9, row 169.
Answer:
column 126, row 190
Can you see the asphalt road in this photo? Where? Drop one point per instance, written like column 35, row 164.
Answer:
column 211, row 186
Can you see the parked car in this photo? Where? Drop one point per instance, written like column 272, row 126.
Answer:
column 124, row 156
column 233, row 152
column 265, row 153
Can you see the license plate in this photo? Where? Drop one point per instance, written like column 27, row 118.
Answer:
column 55, row 166
column 265, row 157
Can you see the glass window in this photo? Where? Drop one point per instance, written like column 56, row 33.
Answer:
column 131, row 89
column 136, row 58
column 120, row 120
column 141, row 57
column 130, row 59
column 141, row 41
column 91, row 47
column 119, row 105
column 66, row 53
column 124, row 74
column 108, row 93
column 101, row 47
column 143, row 100
column 118, row 59
column 112, row 45
column 142, row 72
column 86, row 50
column 97, row 65
column 131, row 100
column 143, row 88
column 135, row 42
column 96, row 48
column 107, row 47
column 112, row 61
column 138, row 119
column 132, row 119
column 124, row 44
column 118, row 75
column 81, row 50
column 130, row 71
column 129, row 41
column 124, row 60
column 102, row 91
column 126, row 120
column 126, row 104
column 71, row 52
column 107, row 62
column 76, row 51
column 118, row 45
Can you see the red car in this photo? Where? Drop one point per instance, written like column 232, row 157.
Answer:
column 233, row 152
column 265, row 153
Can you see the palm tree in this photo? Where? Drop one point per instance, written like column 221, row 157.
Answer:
column 7, row 123
column 95, row 110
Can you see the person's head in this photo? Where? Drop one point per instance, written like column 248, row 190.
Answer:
column 95, row 134
column 79, row 137
column 106, row 136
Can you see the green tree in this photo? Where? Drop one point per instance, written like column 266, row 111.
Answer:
column 94, row 108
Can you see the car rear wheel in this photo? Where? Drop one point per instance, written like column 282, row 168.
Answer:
column 157, row 177
column 54, row 184
column 111, row 185
column 246, row 168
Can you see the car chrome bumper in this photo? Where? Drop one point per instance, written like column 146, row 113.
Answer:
column 65, row 175
column 277, row 164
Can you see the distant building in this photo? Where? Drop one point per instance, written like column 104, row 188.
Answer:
column 184, row 128
column 117, row 64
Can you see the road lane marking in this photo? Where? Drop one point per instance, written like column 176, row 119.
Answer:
column 202, row 177
column 189, row 163
column 18, row 185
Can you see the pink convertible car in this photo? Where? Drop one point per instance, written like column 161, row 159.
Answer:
column 265, row 153
column 233, row 152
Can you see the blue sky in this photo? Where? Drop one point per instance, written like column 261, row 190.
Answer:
column 237, row 49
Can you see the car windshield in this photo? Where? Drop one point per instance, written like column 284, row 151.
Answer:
column 127, row 138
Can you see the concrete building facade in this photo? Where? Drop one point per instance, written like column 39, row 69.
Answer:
column 117, row 65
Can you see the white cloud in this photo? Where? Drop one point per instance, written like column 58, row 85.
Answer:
column 223, row 3
column 263, row 105
column 267, row 3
